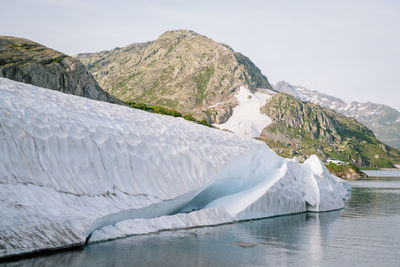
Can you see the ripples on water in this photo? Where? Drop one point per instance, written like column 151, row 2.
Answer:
column 365, row 233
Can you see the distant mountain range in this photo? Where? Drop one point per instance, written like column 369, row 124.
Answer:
column 383, row 120
column 198, row 77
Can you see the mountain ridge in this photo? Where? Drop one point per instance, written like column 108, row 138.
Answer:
column 301, row 128
column 383, row 120
column 195, row 75
column 181, row 69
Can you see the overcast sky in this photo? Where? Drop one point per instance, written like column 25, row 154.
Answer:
column 349, row 49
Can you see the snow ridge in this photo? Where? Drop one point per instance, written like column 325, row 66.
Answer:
column 72, row 168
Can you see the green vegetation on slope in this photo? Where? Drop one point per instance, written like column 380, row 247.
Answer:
column 166, row 111
column 321, row 131
column 202, row 80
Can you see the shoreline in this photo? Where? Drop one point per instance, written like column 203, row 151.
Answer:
column 382, row 169
column 15, row 258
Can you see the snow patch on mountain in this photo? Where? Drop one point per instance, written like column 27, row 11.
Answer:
column 246, row 119
column 73, row 169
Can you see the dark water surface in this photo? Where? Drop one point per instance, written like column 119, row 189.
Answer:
column 365, row 233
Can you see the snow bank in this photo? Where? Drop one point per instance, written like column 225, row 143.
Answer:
column 246, row 119
column 73, row 168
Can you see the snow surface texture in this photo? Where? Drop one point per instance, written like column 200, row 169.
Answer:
column 246, row 119
column 72, row 168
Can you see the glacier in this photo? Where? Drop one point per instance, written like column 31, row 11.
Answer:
column 75, row 170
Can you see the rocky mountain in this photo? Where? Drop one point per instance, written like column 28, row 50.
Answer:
column 29, row 62
column 195, row 75
column 182, row 70
column 383, row 120
column 301, row 128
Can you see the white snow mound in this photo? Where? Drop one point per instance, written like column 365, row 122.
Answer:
column 73, row 169
column 247, row 119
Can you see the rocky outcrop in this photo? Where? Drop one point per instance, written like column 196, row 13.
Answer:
column 314, row 120
column 383, row 120
column 182, row 70
column 347, row 172
column 302, row 129
column 29, row 62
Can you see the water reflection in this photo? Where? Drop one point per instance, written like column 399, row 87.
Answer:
column 366, row 233
column 278, row 240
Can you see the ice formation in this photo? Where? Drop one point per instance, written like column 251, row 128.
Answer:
column 74, row 169
column 247, row 119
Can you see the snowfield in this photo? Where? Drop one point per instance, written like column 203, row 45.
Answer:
column 74, row 170
column 247, row 119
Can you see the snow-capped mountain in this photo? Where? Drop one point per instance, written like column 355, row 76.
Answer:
column 74, row 170
column 383, row 120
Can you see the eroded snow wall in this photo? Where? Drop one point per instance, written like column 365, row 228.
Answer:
column 71, row 168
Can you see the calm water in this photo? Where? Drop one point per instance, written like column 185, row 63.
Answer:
column 365, row 233
column 378, row 173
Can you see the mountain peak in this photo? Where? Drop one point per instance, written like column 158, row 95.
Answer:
column 178, row 33
column 282, row 84
column 182, row 70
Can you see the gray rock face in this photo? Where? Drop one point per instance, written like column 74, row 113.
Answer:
column 25, row 61
column 383, row 120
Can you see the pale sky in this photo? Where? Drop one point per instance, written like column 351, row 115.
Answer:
column 349, row 49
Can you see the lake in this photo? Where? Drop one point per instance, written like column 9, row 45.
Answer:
column 365, row 233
